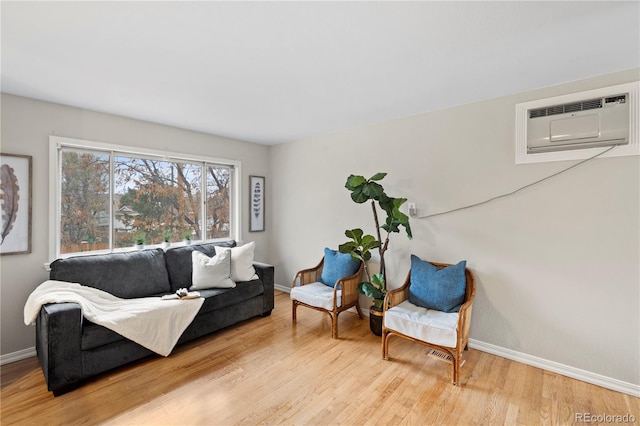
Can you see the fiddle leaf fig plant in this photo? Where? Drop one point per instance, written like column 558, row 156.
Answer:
column 360, row 248
column 374, row 289
column 360, row 245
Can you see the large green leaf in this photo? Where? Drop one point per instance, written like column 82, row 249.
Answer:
column 377, row 279
column 391, row 226
column 370, row 290
column 348, row 247
column 354, row 234
column 354, row 181
column 395, row 218
column 373, row 190
column 378, row 176
column 359, row 196
column 407, row 228
column 360, row 245
column 369, row 242
column 399, row 201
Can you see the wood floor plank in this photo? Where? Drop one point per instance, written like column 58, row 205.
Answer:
column 271, row 371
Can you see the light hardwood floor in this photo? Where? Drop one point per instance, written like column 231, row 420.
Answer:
column 269, row 371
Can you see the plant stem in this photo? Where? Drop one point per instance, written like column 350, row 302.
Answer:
column 366, row 271
column 383, row 268
column 375, row 217
column 383, row 247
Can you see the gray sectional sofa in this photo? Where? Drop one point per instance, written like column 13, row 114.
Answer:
column 71, row 349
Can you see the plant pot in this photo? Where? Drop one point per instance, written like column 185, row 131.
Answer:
column 139, row 246
column 375, row 320
column 187, row 242
column 166, row 244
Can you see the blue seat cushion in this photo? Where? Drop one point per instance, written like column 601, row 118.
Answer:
column 337, row 265
column 435, row 288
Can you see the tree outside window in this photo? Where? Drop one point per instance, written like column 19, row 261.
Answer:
column 153, row 199
column 84, row 202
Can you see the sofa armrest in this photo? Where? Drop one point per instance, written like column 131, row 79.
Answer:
column 58, row 344
column 266, row 274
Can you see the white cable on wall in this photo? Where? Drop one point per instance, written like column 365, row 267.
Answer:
column 517, row 190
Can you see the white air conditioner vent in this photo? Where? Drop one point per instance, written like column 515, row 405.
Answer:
column 562, row 109
column 578, row 122
column 585, row 124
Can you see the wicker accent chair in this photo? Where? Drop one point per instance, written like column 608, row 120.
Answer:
column 306, row 290
column 450, row 334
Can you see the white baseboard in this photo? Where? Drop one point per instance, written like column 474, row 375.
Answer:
column 17, row 356
column 282, row 288
column 555, row 367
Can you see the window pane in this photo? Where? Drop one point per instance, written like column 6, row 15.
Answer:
column 84, row 204
column 155, row 198
column 218, row 202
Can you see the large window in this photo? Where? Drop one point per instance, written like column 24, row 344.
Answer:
column 110, row 198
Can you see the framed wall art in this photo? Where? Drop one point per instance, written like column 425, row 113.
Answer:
column 15, row 202
column 256, row 203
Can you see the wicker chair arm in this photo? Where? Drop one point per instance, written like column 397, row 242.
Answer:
column 349, row 287
column 396, row 296
column 464, row 318
column 465, row 307
column 308, row 276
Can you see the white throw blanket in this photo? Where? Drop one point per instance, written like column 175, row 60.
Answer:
column 151, row 322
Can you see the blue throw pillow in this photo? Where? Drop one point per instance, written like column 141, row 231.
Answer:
column 434, row 288
column 337, row 265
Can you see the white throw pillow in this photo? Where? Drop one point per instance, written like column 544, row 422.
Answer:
column 211, row 272
column 241, row 261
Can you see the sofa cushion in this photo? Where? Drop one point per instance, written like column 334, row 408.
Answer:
column 211, row 272
column 316, row 294
column 179, row 263
column 217, row 298
column 127, row 275
column 427, row 325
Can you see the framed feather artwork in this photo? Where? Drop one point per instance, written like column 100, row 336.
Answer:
column 256, row 203
column 15, row 202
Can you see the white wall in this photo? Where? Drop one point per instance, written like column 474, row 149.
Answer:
column 557, row 265
column 26, row 126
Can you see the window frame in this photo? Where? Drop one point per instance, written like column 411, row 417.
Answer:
column 57, row 143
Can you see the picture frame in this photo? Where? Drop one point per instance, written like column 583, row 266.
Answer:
column 16, row 173
column 256, row 203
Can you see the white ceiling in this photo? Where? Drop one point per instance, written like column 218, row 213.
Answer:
column 272, row 72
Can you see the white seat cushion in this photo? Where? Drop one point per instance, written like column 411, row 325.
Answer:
column 424, row 324
column 316, row 294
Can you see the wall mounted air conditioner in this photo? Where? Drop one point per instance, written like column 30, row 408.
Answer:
column 579, row 125
column 586, row 123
